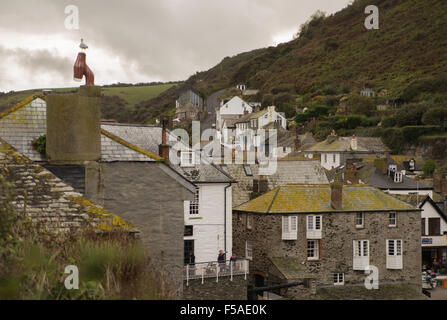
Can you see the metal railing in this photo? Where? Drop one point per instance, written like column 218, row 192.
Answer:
column 215, row 269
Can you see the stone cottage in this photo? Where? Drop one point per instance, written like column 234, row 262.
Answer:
column 134, row 183
column 325, row 236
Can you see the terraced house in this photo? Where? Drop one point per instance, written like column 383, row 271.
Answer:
column 325, row 236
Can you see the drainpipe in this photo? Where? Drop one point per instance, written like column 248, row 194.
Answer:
column 225, row 217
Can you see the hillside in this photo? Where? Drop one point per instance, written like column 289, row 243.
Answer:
column 337, row 55
column 118, row 102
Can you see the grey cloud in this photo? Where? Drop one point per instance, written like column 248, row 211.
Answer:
column 166, row 39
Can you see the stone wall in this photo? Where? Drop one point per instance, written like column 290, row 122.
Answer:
column 336, row 246
column 225, row 289
column 152, row 201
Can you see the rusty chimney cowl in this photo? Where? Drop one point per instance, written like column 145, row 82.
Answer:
column 81, row 68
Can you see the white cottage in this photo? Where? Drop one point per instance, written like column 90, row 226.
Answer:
column 434, row 232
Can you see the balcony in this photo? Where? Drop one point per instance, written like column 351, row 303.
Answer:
column 216, row 270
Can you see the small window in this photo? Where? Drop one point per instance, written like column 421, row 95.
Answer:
column 188, row 231
column 325, row 158
column 194, row 205
column 339, row 279
column 247, row 170
column 334, row 157
column 359, row 220
column 248, row 251
column 393, row 219
column 249, row 222
column 313, row 249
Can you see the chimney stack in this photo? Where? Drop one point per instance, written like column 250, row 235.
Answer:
column 74, row 126
column 354, row 143
column 337, row 193
column 163, row 148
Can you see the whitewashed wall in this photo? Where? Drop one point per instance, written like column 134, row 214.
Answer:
column 208, row 226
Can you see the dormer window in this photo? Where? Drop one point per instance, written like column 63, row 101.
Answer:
column 398, row 177
column 187, row 159
column 411, row 165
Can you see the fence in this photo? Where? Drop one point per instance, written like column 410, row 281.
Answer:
column 216, row 270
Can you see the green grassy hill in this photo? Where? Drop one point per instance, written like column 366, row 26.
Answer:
column 337, row 55
column 117, row 103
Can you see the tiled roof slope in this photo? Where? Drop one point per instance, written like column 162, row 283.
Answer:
column 144, row 136
column 343, row 144
column 51, row 203
column 25, row 122
column 287, row 172
column 207, row 173
column 316, row 198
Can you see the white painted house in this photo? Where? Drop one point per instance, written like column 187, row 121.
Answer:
column 234, row 107
column 208, row 224
column 434, row 232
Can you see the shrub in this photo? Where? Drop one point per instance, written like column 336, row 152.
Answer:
column 410, row 114
column 429, row 167
column 361, row 105
column 412, row 133
column 435, row 116
column 388, row 122
column 40, row 144
column 393, row 139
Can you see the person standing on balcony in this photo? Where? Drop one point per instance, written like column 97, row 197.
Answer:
column 221, row 259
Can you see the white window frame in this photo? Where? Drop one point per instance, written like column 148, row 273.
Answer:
column 362, row 217
column 314, row 226
column 315, row 249
column 248, row 251
column 361, row 252
column 398, row 176
column 194, row 205
column 247, row 170
column 187, row 159
column 339, row 278
column 394, row 254
column 249, row 224
column 289, row 227
column 393, row 225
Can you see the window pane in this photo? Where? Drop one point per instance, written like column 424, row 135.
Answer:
column 318, row 223
column 434, row 226
column 310, row 222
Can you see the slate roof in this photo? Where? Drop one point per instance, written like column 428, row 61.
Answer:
column 25, row 122
column 147, row 137
column 435, row 206
column 291, row 268
column 316, row 199
column 343, row 144
column 286, row 172
column 203, row 173
column 50, row 202
column 369, row 174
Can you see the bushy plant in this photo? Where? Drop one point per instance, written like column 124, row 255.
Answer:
column 429, row 167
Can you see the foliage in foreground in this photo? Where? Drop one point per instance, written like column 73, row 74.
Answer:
column 32, row 266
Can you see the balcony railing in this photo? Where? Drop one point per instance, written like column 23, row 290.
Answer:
column 216, row 270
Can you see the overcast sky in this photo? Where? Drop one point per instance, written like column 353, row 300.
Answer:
column 139, row 40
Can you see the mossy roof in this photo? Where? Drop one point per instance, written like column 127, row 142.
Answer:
column 316, row 198
column 343, row 144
